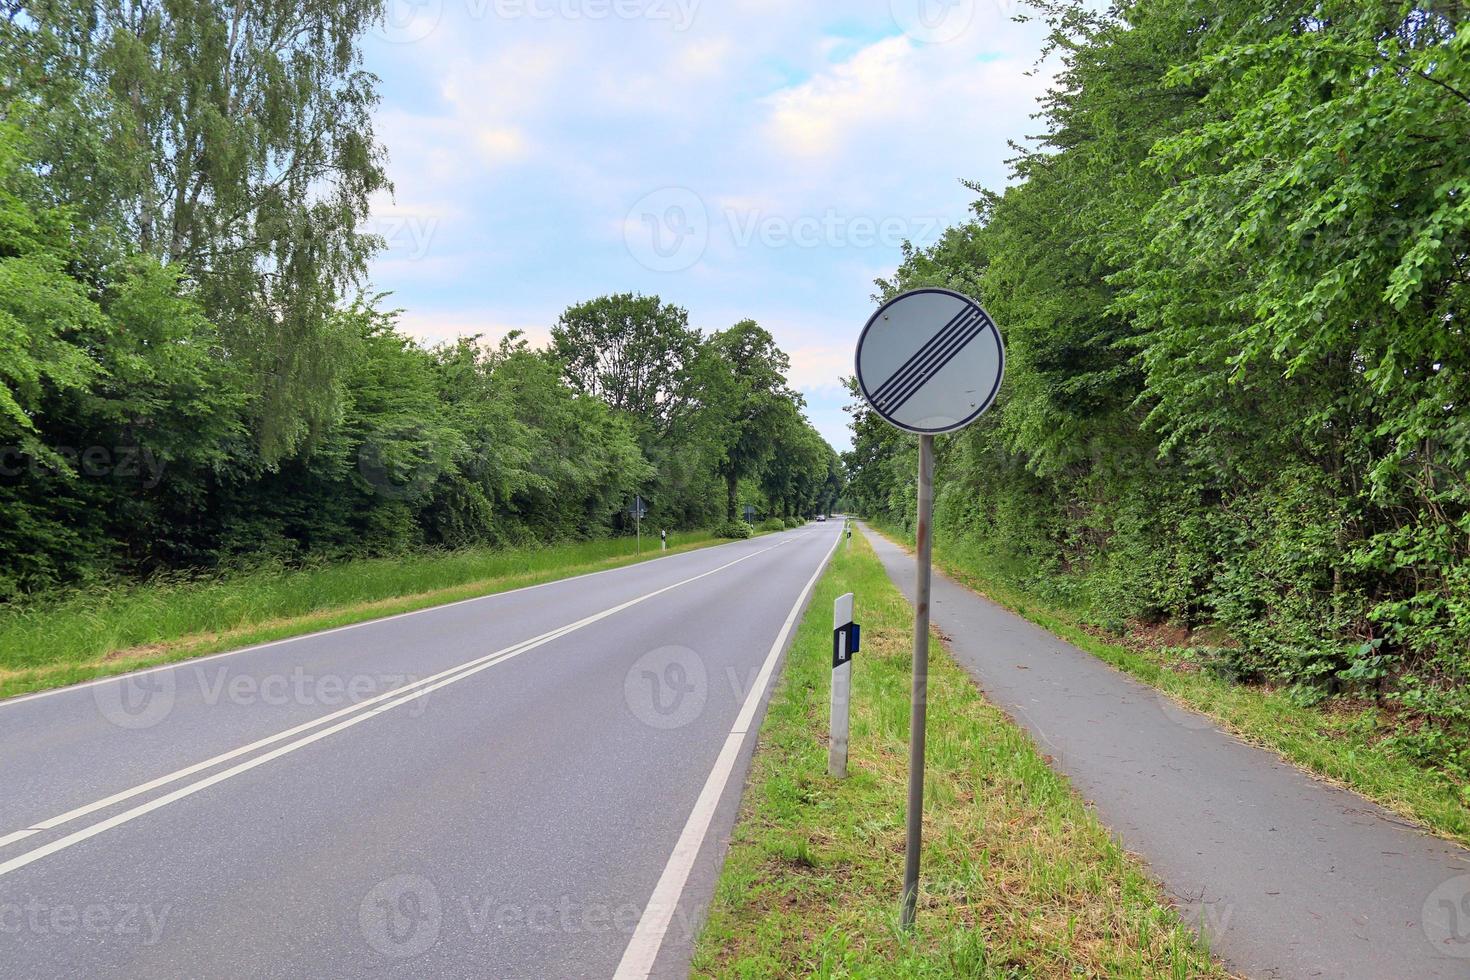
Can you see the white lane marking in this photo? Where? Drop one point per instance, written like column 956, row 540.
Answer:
column 22, row 698
column 417, row 688
column 18, row 835
column 648, row 938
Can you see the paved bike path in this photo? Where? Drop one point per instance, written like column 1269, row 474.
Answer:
column 1287, row 876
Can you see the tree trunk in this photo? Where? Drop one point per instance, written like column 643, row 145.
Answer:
column 732, row 486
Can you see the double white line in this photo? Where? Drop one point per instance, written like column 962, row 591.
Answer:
column 351, row 715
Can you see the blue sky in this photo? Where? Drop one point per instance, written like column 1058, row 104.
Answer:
column 741, row 158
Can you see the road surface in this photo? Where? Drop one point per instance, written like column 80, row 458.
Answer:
column 1285, row 875
column 533, row 784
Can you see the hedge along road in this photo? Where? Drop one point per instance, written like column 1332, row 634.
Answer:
column 534, row 783
column 1286, row 876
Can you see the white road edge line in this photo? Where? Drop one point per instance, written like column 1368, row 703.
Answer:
column 648, row 937
column 34, row 695
column 424, row 686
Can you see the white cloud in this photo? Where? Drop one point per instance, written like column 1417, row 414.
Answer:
column 500, row 144
column 814, row 118
column 884, row 102
column 820, row 368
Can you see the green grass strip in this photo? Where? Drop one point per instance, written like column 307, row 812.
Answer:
column 1019, row 880
column 94, row 634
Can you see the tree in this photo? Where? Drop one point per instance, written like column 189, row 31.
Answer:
column 231, row 141
column 633, row 352
column 102, row 392
column 753, row 397
column 795, row 475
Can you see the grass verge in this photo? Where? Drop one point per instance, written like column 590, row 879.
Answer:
column 1018, row 880
column 1344, row 746
column 95, row 634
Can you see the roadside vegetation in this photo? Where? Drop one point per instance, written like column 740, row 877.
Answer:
column 1019, row 880
column 1232, row 441
column 196, row 376
column 83, row 635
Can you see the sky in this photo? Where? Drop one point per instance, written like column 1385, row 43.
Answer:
column 739, row 158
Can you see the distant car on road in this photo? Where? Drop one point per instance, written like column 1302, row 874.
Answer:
column 821, row 517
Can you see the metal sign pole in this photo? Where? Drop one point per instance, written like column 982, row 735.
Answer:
column 922, row 552
column 928, row 361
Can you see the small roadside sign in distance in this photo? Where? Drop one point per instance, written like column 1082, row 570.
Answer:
column 930, row 360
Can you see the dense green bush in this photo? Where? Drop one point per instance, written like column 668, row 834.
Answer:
column 1233, row 297
column 773, row 524
column 794, row 522
column 733, row 529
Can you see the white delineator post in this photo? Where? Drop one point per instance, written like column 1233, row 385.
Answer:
column 844, row 645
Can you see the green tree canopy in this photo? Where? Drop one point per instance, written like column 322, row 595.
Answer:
column 233, row 142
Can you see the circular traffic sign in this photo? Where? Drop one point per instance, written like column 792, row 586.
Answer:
column 930, row 360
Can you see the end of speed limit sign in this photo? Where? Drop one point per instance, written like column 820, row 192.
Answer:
column 930, row 361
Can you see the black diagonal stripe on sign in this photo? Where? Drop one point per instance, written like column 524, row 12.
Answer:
column 916, row 360
column 933, row 354
column 897, row 377
column 935, row 369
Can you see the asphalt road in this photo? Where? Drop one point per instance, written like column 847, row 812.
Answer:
column 534, row 784
column 1285, row 875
